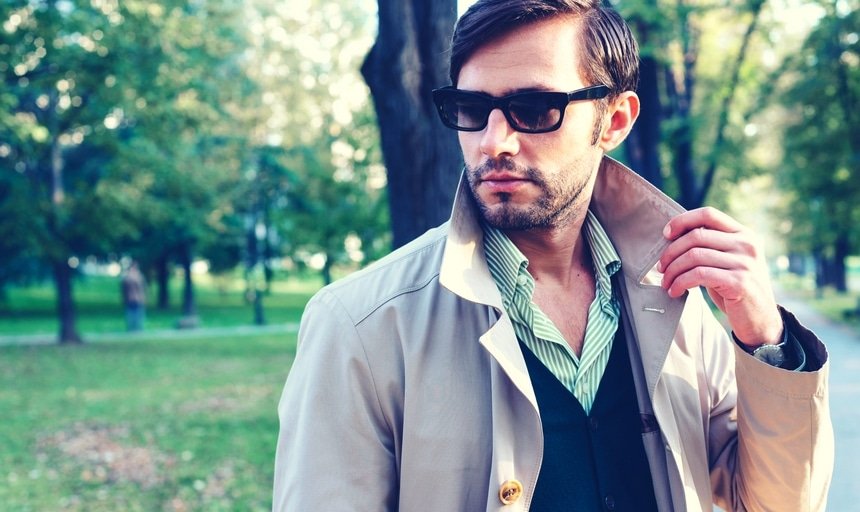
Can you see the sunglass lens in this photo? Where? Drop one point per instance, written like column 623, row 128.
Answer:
column 466, row 111
column 533, row 113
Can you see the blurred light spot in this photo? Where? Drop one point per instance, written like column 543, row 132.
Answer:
column 200, row 267
column 113, row 119
column 317, row 261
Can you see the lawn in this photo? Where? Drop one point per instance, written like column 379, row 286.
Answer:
column 143, row 425
column 220, row 302
column 149, row 422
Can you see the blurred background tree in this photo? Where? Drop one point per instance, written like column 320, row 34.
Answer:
column 408, row 60
column 819, row 91
column 699, row 76
column 172, row 131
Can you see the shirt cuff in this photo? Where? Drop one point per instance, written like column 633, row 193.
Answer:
column 788, row 354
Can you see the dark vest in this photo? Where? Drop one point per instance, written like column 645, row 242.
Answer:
column 595, row 461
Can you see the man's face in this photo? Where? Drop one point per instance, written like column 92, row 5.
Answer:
column 524, row 181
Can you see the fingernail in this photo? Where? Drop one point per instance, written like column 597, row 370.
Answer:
column 667, row 231
column 659, row 266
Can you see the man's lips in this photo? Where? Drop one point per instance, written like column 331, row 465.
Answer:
column 503, row 181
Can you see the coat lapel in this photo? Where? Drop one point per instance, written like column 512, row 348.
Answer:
column 633, row 213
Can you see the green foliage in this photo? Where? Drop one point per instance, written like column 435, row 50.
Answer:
column 318, row 183
column 167, row 131
column 711, row 67
column 821, row 95
column 53, row 118
column 154, row 424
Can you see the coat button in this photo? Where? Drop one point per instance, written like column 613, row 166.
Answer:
column 609, row 501
column 510, row 491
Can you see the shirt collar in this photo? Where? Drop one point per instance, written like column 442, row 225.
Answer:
column 508, row 265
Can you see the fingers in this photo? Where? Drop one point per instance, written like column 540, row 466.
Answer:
column 706, row 217
column 703, row 238
column 700, row 265
column 710, row 249
column 704, row 242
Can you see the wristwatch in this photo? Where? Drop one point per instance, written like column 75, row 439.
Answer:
column 787, row 354
column 773, row 355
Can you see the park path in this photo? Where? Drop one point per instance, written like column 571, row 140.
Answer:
column 162, row 334
column 843, row 344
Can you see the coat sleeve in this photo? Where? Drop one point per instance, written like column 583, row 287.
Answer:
column 335, row 449
column 771, row 443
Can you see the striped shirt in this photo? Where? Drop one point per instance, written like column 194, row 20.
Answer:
column 580, row 375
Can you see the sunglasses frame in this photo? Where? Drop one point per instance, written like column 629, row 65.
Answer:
column 558, row 100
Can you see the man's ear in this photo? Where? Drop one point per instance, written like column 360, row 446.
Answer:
column 622, row 113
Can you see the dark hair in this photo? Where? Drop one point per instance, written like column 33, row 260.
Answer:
column 611, row 55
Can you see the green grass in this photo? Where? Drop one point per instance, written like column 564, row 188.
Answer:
column 148, row 425
column 220, row 302
column 143, row 423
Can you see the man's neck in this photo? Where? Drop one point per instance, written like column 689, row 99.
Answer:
column 556, row 255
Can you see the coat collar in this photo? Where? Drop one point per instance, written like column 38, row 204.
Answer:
column 633, row 212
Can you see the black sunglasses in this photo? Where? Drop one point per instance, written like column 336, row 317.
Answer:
column 527, row 112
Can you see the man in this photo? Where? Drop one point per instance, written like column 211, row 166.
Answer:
column 548, row 348
column 133, row 289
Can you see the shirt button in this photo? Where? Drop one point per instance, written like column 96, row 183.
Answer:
column 510, row 491
column 609, row 501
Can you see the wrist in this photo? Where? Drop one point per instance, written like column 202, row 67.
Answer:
column 787, row 353
column 772, row 333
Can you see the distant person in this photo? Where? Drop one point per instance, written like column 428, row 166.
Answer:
column 134, row 297
column 550, row 348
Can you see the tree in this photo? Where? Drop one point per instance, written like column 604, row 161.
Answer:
column 119, row 113
column 338, row 200
column 55, row 81
column 422, row 157
column 316, row 182
column 821, row 160
column 692, row 106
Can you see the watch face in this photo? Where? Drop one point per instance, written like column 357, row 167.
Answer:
column 770, row 354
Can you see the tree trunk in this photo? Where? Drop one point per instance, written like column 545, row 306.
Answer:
column 407, row 61
column 68, row 334
column 695, row 181
column 682, row 140
column 725, row 106
column 162, row 276
column 643, row 144
column 326, row 270
column 841, row 250
column 820, row 278
column 189, row 318
column 59, row 261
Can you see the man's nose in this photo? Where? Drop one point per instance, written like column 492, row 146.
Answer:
column 499, row 138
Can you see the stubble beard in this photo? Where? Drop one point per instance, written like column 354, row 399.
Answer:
column 558, row 202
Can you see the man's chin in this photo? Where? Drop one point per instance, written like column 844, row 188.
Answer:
column 506, row 217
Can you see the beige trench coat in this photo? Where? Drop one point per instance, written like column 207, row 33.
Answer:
column 409, row 391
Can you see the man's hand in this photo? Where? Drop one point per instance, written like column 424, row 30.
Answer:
column 708, row 248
